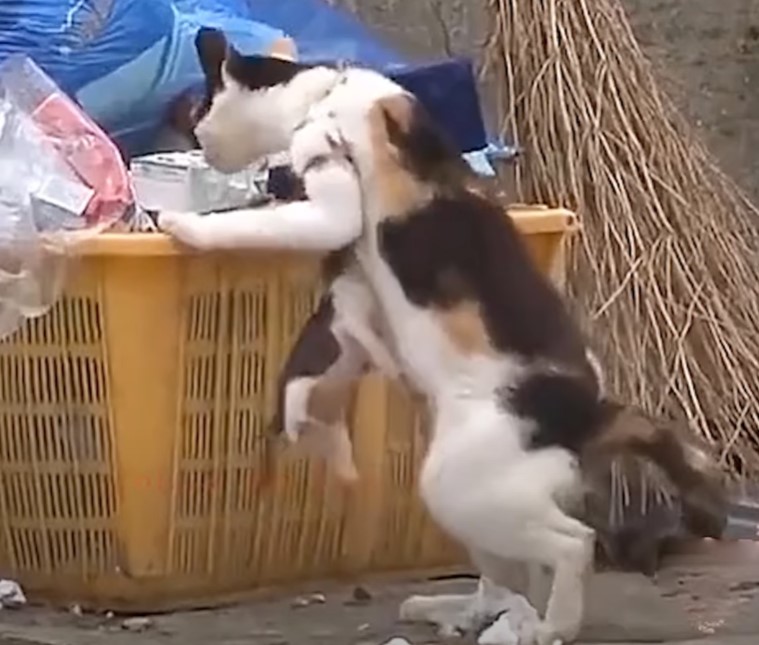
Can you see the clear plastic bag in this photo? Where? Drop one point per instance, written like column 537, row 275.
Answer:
column 61, row 181
column 89, row 174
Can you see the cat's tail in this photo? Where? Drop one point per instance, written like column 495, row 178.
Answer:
column 676, row 451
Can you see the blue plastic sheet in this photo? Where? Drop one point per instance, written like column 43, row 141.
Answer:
column 126, row 60
column 447, row 88
column 77, row 41
column 323, row 32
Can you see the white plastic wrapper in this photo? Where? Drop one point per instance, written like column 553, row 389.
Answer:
column 11, row 594
column 61, row 181
column 184, row 182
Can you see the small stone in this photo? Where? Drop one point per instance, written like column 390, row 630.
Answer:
column 317, row 599
column 109, row 615
column 360, row 596
column 363, row 627
column 397, row 641
column 747, row 585
column 300, row 603
column 136, row 624
column 447, row 632
column 75, row 609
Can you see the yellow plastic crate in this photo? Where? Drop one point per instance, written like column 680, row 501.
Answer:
column 131, row 431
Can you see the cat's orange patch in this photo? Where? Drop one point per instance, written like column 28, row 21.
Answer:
column 328, row 400
column 399, row 192
column 284, row 48
column 466, row 328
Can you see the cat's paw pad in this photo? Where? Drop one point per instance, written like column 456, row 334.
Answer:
column 317, row 141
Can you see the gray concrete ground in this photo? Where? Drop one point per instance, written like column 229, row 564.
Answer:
column 709, row 596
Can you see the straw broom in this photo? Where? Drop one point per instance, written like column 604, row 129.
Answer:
column 666, row 272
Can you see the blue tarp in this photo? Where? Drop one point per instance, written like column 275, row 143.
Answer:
column 323, row 32
column 447, row 88
column 126, row 60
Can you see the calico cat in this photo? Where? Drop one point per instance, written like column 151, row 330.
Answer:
column 517, row 405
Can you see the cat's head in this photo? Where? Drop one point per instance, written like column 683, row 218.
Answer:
column 250, row 106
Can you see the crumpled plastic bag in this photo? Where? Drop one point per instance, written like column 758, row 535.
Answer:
column 75, row 140
column 61, row 181
column 11, row 594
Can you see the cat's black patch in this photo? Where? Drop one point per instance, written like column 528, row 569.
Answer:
column 285, row 185
column 315, row 351
column 462, row 246
column 316, row 348
column 211, row 45
column 425, row 149
column 252, row 72
column 565, row 409
column 261, row 72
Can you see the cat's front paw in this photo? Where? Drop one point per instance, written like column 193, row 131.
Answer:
column 546, row 634
column 185, row 227
column 454, row 615
column 318, row 140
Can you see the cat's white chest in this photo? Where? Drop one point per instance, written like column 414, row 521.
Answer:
column 423, row 348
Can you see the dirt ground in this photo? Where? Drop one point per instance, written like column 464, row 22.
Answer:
column 709, row 598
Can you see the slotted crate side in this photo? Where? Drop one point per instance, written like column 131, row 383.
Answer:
column 58, row 502
column 239, row 321
column 305, row 505
column 166, row 367
column 408, row 538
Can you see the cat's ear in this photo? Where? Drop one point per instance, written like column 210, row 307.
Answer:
column 415, row 136
column 394, row 121
column 394, row 114
column 213, row 49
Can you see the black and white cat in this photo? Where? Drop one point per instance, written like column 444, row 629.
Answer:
column 338, row 344
column 474, row 327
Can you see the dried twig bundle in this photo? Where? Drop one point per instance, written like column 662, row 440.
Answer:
column 667, row 268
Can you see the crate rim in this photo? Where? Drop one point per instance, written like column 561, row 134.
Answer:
column 529, row 219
